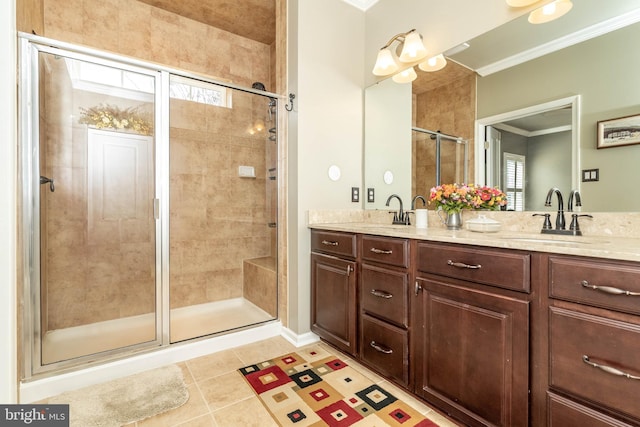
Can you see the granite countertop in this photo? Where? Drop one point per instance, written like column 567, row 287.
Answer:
column 599, row 246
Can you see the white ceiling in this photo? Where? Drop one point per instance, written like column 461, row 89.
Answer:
column 361, row 4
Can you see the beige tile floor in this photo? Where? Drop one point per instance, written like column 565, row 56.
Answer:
column 219, row 396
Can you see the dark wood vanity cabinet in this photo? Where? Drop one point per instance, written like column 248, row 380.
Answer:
column 333, row 288
column 471, row 341
column 593, row 342
column 384, row 306
column 492, row 337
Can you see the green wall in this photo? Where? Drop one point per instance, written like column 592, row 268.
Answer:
column 605, row 72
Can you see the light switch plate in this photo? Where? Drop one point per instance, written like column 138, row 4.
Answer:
column 590, row 175
column 355, row 194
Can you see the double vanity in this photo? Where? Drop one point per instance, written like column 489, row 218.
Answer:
column 509, row 328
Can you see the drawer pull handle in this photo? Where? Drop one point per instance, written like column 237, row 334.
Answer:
column 463, row 265
column 349, row 270
column 328, row 243
column 609, row 289
column 381, row 251
column 381, row 348
column 381, row 294
column 609, row 369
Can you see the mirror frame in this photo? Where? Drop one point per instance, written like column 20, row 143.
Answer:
column 481, row 171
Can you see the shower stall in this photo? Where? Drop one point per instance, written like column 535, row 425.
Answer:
column 149, row 206
column 438, row 158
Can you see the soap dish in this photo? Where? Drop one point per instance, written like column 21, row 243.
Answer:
column 482, row 224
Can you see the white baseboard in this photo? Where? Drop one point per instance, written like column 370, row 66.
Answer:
column 299, row 340
column 36, row 390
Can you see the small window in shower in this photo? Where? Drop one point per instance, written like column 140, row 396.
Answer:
column 201, row 92
column 106, row 80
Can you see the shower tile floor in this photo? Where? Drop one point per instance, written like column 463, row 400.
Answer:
column 185, row 323
column 219, row 397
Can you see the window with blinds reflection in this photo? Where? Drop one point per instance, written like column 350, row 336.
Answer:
column 514, row 179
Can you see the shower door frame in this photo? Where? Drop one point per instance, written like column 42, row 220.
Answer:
column 29, row 171
column 28, row 175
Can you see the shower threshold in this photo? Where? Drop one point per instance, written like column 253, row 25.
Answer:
column 185, row 323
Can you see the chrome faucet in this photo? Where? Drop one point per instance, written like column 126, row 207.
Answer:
column 399, row 217
column 413, row 202
column 560, row 224
column 575, row 226
column 576, row 194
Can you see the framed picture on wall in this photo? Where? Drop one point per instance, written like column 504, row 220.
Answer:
column 618, row 132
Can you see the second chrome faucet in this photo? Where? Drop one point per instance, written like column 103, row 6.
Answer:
column 574, row 227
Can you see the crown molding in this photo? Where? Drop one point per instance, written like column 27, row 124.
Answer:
column 361, row 4
column 562, row 42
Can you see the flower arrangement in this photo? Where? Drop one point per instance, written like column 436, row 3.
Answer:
column 106, row 116
column 456, row 197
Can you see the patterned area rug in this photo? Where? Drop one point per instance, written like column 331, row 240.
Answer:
column 314, row 388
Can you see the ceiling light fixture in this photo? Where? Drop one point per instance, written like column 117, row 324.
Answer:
column 551, row 11
column 412, row 50
column 434, row 63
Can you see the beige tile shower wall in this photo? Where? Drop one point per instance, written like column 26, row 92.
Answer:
column 136, row 29
column 451, row 110
column 217, row 218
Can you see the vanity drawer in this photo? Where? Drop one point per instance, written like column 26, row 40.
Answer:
column 602, row 284
column 567, row 413
column 386, row 348
column 579, row 340
column 495, row 267
column 386, row 250
column 384, row 294
column 335, row 243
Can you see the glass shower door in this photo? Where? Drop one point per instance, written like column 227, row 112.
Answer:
column 222, row 173
column 97, row 219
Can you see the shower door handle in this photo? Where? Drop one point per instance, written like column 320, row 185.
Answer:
column 44, row 180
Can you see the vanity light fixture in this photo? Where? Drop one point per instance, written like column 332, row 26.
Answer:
column 412, row 50
column 551, row 11
column 434, row 63
column 405, row 76
column 520, row 3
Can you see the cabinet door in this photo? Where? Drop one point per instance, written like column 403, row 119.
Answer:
column 333, row 301
column 472, row 353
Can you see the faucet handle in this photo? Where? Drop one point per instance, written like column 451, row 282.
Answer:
column 547, row 221
column 575, row 227
column 407, row 219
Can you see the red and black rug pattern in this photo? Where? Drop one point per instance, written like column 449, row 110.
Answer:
column 314, row 388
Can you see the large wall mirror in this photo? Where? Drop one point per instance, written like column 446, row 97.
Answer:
column 569, row 75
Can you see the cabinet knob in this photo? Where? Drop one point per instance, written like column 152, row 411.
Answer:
column 349, row 270
column 417, row 288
